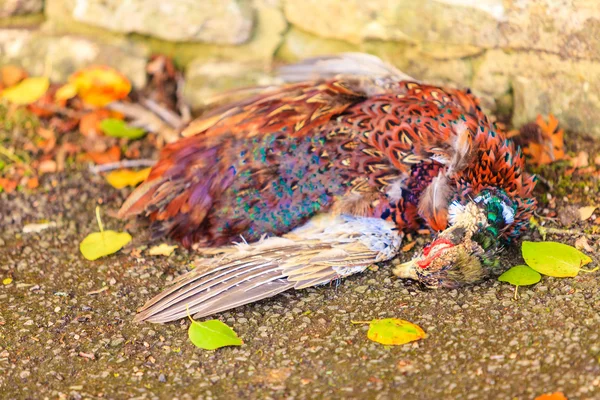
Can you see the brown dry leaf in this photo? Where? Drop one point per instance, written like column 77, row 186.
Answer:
column 98, row 86
column 586, row 212
column 49, row 142
column 552, row 396
column 111, row 155
column 582, row 244
column 552, row 147
column 11, row 75
column 582, row 159
column 8, row 185
column 64, row 125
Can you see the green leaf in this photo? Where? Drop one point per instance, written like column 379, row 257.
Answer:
column 520, row 275
column 28, row 91
column 394, row 331
column 213, row 334
column 100, row 244
column 103, row 243
column 554, row 259
column 118, row 128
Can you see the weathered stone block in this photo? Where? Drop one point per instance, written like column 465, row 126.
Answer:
column 60, row 56
column 211, row 21
column 542, row 84
column 20, row 7
column 205, row 80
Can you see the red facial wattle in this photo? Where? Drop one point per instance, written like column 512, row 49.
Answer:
column 434, row 250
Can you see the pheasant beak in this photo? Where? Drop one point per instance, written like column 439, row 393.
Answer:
column 451, row 259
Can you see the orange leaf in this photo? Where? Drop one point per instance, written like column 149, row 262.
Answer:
column 409, row 246
column 582, row 159
column 552, row 147
column 552, row 396
column 11, row 75
column 89, row 125
column 8, row 185
column 100, row 85
column 111, row 155
column 32, row 183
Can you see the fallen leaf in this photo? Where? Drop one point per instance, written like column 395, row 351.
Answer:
column 33, row 183
column 553, row 258
column 212, row 334
column 89, row 125
column 103, row 243
column 394, row 331
column 111, row 155
column 552, row 396
column 582, row 244
column 27, row 91
column 162, row 249
column 550, row 147
column 11, row 75
column 520, row 275
column 66, row 92
column 409, row 246
column 119, row 129
column 7, row 281
column 8, row 185
column 100, row 85
column 46, row 167
column 582, row 159
column 586, row 212
column 126, row 177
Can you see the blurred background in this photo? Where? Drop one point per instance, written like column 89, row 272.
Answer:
column 522, row 57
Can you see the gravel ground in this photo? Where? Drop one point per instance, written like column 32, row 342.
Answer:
column 66, row 326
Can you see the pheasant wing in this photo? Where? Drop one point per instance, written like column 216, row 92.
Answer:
column 325, row 249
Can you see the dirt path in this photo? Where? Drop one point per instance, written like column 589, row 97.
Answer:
column 66, row 330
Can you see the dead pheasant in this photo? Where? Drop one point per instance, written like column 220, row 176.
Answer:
column 323, row 176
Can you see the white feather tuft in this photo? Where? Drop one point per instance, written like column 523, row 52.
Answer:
column 435, row 198
column 394, row 191
column 461, row 146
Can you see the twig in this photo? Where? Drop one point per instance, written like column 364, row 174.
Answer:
column 122, row 164
column 166, row 115
column 557, row 231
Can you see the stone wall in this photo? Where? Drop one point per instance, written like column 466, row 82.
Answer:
column 521, row 56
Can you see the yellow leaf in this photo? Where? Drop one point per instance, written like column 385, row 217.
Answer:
column 586, row 212
column 393, row 331
column 7, row 281
column 100, row 244
column 27, row 91
column 126, row 177
column 66, row 92
column 162, row 249
column 103, row 243
column 100, row 85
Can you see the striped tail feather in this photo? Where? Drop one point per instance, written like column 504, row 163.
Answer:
column 325, row 249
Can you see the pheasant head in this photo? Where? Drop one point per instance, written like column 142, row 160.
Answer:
column 489, row 204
